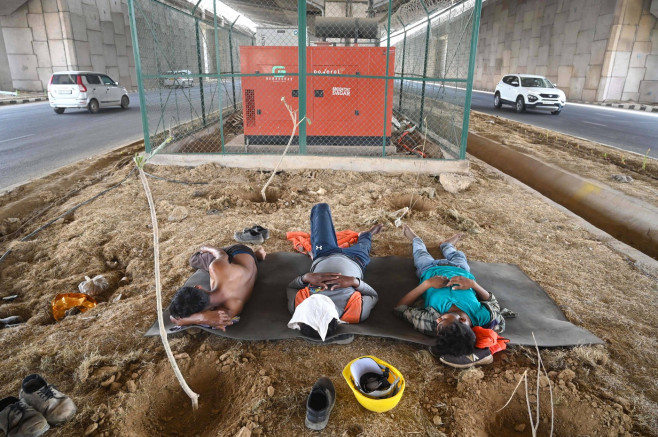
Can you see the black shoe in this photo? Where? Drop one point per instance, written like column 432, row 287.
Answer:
column 319, row 404
column 477, row 358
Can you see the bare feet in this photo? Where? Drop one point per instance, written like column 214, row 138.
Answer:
column 408, row 232
column 452, row 240
column 376, row 229
column 260, row 253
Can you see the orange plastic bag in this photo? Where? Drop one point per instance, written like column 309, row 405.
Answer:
column 65, row 301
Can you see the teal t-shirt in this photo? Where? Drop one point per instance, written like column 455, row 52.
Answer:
column 441, row 299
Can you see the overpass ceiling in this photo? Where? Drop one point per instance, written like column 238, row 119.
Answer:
column 8, row 7
column 284, row 12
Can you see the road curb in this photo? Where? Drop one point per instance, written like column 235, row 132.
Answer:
column 19, row 101
column 631, row 106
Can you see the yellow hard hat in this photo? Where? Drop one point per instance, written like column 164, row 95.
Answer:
column 375, row 404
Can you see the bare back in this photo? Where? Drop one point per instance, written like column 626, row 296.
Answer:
column 231, row 284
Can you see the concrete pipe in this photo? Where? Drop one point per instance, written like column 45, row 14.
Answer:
column 630, row 220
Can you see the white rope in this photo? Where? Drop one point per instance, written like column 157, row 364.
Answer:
column 295, row 124
column 140, row 161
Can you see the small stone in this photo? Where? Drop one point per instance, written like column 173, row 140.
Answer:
column 178, row 214
column 182, row 356
column 224, row 356
column 244, row 432
column 108, row 381
column 437, row 420
column 454, row 183
column 134, row 376
column 270, row 391
column 623, row 178
column 520, row 427
column 226, row 368
column 543, row 381
column 131, row 386
column 202, row 348
column 116, row 386
column 199, row 193
column 91, row 428
column 566, row 375
column 262, row 372
column 10, row 225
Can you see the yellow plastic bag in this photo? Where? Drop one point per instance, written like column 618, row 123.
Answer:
column 65, row 301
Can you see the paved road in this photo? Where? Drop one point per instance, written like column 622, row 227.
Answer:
column 635, row 131
column 35, row 141
column 628, row 130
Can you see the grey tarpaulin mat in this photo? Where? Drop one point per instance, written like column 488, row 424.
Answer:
column 265, row 317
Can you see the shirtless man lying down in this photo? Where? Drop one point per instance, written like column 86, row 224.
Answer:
column 233, row 272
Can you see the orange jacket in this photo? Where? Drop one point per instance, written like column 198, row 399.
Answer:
column 351, row 312
column 489, row 338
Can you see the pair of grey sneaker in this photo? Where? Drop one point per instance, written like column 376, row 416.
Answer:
column 253, row 235
column 39, row 406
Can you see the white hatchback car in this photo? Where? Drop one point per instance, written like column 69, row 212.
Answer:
column 529, row 91
column 85, row 90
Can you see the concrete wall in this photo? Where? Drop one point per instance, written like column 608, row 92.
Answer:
column 595, row 50
column 44, row 36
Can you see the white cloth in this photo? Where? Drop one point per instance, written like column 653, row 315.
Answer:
column 317, row 311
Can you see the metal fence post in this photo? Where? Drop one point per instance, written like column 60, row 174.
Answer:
column 138, row 69
column 253, row 39
column 471, row 70
column 230, row 49
column 198, row 59
column 219, row 74
column 388, row 54
column 404, row 52
column 301, row 60
column 427, row 43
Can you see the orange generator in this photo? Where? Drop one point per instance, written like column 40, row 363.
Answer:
column 342, row 110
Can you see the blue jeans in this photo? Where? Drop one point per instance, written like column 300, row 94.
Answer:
column 423, row 260
column 324, row 243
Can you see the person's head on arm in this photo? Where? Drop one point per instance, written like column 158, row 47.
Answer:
column 188, row 301
column 315, row 317
column 454, row 335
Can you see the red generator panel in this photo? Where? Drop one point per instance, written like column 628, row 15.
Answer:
column 342, row 110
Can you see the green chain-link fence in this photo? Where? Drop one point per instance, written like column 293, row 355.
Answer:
column 381, row 77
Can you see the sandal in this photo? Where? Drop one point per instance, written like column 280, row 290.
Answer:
column 261, row 230
column 249, row 236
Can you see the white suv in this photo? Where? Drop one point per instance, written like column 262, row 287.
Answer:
column 529, row 91
column 178, row 78
column 85, row 90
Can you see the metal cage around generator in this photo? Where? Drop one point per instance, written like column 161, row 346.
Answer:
column 371, row 78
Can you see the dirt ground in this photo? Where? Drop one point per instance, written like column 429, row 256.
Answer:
column 123, row 384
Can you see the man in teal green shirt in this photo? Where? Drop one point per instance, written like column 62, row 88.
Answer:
column 448, row 302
